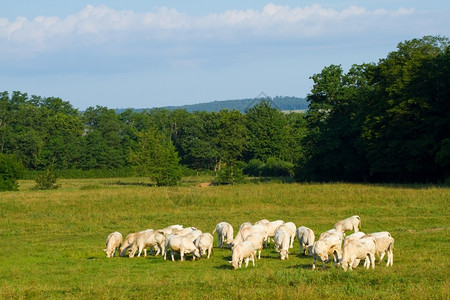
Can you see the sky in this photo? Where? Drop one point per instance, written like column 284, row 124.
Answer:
column 144, row 54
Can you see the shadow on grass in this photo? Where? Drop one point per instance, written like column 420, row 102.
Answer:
column 132, row 183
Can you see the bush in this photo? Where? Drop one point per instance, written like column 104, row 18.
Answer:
column 273, row 167
column 230, row 175
column 46, row 181
column 10, row 171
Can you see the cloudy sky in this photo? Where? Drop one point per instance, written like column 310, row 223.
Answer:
column 143, row 53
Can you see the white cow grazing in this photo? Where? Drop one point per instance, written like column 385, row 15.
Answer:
column 270, row 228
column 113, row 242
column 204, row 243
column 181, row 244
column 148, row 238
column 385, row 244
column 224, row 233
column 290, row 228
column 127, row 243
column 351, row 223
column 242, row 251
column 331, row 232
column 359, row 249
column 324, row 248
column 305, row 237
column 246, row 231
column 281, row 241
column 257, row 239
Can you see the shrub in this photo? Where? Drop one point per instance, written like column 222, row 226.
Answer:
column 46, row 181
column 230, row 175
column 10, row 170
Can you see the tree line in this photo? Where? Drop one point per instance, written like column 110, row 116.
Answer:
column 380, row 122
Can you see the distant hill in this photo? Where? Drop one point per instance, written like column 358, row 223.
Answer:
column 279, row 102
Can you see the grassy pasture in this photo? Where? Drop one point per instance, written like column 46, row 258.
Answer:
column 52, row 241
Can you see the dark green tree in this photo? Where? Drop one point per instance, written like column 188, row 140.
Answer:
column 10, row 171
column 155, row 157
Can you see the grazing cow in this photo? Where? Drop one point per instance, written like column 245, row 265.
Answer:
column 331, row 232
column 224, row 233
column 127, row 243
column 270, row 228
column 257, row 239
column 281, row 241
column 204, row 243
column 305, row 237
column 351, row 223
column 385, row 244
column 323, row 248
column 290, row 228
column 242, row 251
column 246, row 231
column 148, row 238
column 184, row 231
column 364, row 248
column 113, row 242
column 181, row 244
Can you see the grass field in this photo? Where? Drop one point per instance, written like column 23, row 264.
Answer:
column 52, row 241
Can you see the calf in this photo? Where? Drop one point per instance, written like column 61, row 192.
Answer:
column 385, row 244
column 305, row 237
column 242, row 251
column 113, row 242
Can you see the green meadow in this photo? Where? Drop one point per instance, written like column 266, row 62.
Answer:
column 51, row 241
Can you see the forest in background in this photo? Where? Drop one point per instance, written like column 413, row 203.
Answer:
column 380, row 122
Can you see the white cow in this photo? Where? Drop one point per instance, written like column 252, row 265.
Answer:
column 204, row 243
column 364, row 248
column 113, row 242
column 182, row 244
column 184, row 231
column 127, row 243
column 245, row 224
column 385, row 244
column 242, row 251
column 193, row 235
column 270, row 228
column 305, row 237
column 290, row 228
column 281, row 241
column 324, row 248
column 246, row 231
column 257, row 239
column 224, row 233
column 351, row 223
column 148, row 238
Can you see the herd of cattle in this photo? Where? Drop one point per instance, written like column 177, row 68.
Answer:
column 346, row 251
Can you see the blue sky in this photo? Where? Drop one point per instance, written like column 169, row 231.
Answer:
column 144, row 54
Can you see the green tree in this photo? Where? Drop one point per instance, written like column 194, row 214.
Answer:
column 10, row 170
column 155, row 156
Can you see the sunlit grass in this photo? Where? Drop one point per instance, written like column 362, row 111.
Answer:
column 52, row 241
